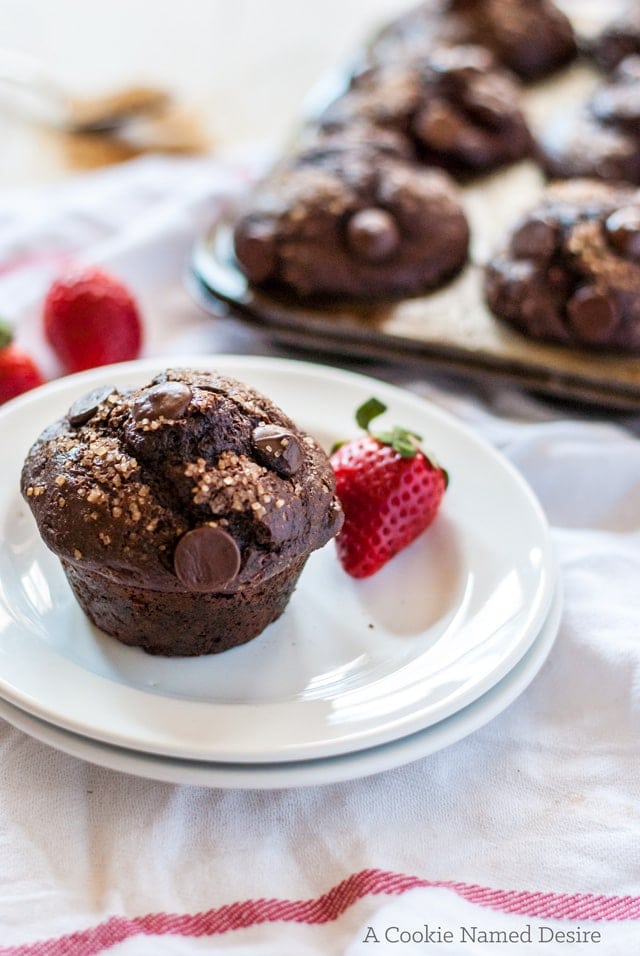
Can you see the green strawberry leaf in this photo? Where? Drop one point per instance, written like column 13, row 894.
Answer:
column 6, row 334
column 369, row 410
column 406, row 443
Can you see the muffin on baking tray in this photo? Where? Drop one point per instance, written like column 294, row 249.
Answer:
column 533, row 38
column 352, row 220
column 455, row 106
column 602, row 138
column 183, row 512
column 571, row 269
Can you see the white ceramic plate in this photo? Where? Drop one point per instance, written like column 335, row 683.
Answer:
column 299, row 773
column 350, row 665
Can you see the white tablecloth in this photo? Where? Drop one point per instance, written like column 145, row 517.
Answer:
column 526, row 830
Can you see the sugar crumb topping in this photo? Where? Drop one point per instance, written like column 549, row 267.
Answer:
column 104, row 483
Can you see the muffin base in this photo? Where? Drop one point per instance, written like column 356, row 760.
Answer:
column 181, row 623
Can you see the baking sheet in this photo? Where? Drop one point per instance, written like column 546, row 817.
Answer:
column 450, row 328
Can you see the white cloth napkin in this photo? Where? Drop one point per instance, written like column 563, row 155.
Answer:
column 528, row 827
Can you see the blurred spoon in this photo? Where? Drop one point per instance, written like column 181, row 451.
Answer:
column 27, row 87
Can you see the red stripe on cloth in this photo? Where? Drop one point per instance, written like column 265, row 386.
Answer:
column 324, row 909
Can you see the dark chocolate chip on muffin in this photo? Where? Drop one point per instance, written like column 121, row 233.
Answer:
column 183, row 512
column 571, row 269
column 352, row 223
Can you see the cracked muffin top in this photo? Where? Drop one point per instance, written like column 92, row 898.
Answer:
column 193, row 482
column 352, row 220
column 571, row 269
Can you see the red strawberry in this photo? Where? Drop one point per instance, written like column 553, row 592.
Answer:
column 390, row 492
column 90, row 319
column 18, row 371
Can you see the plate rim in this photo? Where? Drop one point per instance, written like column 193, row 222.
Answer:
column 320, row 771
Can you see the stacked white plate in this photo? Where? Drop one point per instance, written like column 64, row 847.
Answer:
column 355, row 678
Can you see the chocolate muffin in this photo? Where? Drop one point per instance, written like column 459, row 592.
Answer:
column 457, row 109
column 619, row 39
column 602, row 139
column 183, row 512
column 533, row 38
column 571, row 270
column 353, row 221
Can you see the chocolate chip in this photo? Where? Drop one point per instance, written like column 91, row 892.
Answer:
column 84, row 408
column 166, row 400
column 623, row 231
column 206, row 558
column 438, row 126
column 487, row 101
column 483, row 109
column 373, row 234
column 535, row 239
column 592, row 315
column 255, row 249
column 277, row 448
